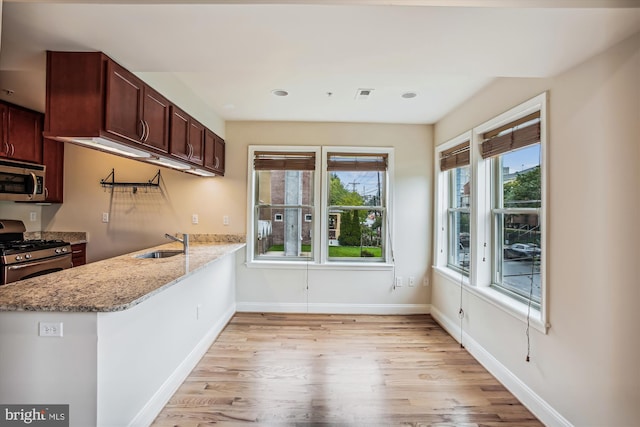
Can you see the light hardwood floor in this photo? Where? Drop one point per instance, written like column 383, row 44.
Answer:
column 340, row 370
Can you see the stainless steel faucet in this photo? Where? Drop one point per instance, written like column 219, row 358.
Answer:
column 184, row 241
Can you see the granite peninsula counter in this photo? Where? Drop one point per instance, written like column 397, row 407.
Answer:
column 128, row 330
column 113, row 284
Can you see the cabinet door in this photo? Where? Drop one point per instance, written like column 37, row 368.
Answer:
column 123, row 115
column 24, row 134
column 78, row 254
column 179, row 144
column 5, row 148
column 196, row 140
column 156, row 119
column 209, row 149
column 213, row 152
column 53, row 159
column 219, row 155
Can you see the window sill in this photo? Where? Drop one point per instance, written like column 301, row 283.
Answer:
column 505, row 303
column 310, row 265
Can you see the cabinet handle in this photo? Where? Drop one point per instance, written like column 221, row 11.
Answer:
column 46, row 192
column 147, row 125
column 13, row 150
column 217, row 164
column 143, row 130
column 190, row 151
column 7, row 149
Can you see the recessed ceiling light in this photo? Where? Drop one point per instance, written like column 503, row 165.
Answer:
column 279, row 92
column 409, row 95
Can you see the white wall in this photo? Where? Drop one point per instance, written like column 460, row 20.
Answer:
column 585, row 368
column 140, row 220
column 268, row 289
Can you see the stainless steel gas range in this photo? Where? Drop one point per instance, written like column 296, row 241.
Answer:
column 21, row 259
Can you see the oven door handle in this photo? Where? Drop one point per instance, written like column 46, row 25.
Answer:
column 33, row 263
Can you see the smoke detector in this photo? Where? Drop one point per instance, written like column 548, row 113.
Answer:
column 363, row 94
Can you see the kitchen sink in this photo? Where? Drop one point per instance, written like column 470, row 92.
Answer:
column 160, row 254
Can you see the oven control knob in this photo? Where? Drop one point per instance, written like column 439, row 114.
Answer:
column 27, row 256
column 64, row 250
column 18, row 258
column 58, row 250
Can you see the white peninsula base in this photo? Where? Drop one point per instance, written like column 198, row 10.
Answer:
column 117, row 368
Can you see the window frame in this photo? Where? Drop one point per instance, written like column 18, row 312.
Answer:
column 320, row 217
column 498, row 210
column 451, row 211
column 442, row 224
column 386, row 203
column 482, row 246
column 484, row 202
column 252, row 224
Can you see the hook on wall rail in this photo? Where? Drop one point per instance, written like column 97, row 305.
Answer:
column 110, row 182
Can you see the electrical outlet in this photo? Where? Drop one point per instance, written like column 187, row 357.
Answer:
column 412, row 281
column 225, row 220
column 50, row 329
column 425, row 281
column 398, row 281
column 33, row 216
column 194, row 219
column 105, row 216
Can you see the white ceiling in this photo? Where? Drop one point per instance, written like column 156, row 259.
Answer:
column 233, row 55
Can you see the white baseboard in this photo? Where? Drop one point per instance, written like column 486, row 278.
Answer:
column 329, row 308
column 153, row 407
column 538, row 406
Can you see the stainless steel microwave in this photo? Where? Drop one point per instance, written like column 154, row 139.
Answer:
column 21, row 181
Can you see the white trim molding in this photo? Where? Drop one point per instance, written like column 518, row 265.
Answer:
column 536, row 404
column 332, row 308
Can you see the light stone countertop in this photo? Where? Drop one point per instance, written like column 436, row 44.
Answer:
column 113, row 284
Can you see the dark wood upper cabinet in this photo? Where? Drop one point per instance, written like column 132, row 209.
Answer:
column 91, row 96
column 21, row 139
column 125, row 92
column 214, row 152
column 179, row 145
column 135, row 111
column 5, row 148
column 21, row 131
column 196, row 140
column 187, row 136
column 53, row 159
column 155, row 114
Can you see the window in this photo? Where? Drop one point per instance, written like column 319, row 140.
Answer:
column 283, row 184
column 327, row 205
column 491, row 211
column 514, row 151
column 454, row 162
column 356, row 206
